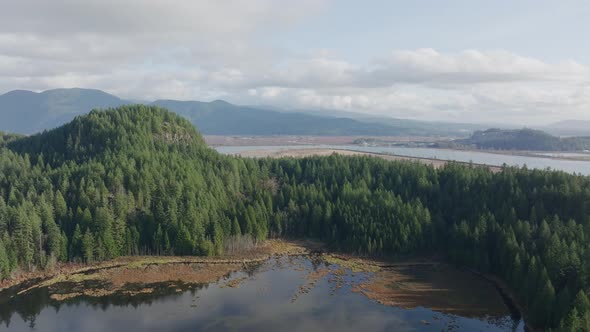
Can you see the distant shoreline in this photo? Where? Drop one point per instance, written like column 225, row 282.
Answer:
column 526, row 153
column 302, row 153
column 404, row 142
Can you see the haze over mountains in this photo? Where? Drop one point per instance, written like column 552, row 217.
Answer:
column 569, row 128
column 27, row 112
column 522, row 139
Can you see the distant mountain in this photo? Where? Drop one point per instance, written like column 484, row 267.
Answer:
column 439, row 128
column 523, row 139
column 222, row 118
column 569, row 128
column 572, row 124
column 27, row 112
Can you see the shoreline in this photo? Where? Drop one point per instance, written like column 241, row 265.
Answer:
column 302, row 153
column 64, row 271
column 341, row 142
column 174, row 269
column 526, row 153
column 508, row 294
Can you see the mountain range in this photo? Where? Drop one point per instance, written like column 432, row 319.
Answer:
column 27, row 112
column 569, row 128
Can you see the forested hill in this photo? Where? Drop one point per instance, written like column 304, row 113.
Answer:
column 524, row 139
column 139, row 180
column 98, row 135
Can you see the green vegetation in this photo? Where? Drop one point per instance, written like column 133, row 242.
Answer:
column 140, row 180
column 522, row 139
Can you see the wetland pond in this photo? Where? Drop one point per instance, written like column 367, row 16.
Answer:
column 282, row 293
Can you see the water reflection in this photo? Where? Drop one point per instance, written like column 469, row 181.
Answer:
column 262, row 302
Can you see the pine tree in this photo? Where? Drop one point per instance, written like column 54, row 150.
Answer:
column 60, row 206
column 76, row 243
column 88, row 246
column 4, row 262
column 235, row 228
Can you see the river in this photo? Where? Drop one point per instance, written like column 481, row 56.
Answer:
column 494, row 159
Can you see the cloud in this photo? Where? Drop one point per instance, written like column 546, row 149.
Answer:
column 148, row 49
column 473, row 66
column 151, row 17
column 422, row 66
column 477, row 86
column 44, row 44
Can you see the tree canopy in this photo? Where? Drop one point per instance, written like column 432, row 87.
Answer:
column 140, row 180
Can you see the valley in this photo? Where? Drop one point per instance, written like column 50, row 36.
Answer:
column 296, row 166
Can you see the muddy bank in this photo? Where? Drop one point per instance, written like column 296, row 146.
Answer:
column 410, row 284
column 428, row 282
column 76, row 272
column 441, row 287
column 509, row 297
column 289, row 290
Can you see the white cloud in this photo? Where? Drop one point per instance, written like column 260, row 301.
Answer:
column 185, row 49
column 474, row 66
column 478, row 86
column 423, row 66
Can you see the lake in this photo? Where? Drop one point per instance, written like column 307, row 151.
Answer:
column 285, row 293
column 494, row 159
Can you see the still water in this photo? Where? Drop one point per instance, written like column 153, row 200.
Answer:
column 277, row 295
column 570, row 166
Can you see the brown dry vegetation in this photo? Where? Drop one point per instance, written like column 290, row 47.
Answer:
column 424, row 282
column 236, row 140
column 312, row 279
column 152, row 269
column 407, row 284
column 219, row 140
column 440, row 287
column 234, row 283
column 187, row 273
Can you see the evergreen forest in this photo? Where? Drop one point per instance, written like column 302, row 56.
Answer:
column 139, row 180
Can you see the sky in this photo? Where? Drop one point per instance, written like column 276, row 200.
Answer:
column 503, row 61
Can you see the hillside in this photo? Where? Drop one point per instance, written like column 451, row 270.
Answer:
column 138, row 180
column 413, row 127
column 106, row 183
column 222, row 118
column 100, row 134
column 27, row 112
column 523, row 139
